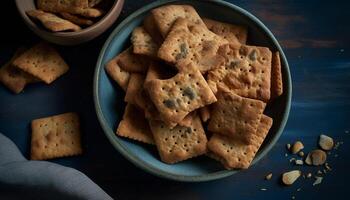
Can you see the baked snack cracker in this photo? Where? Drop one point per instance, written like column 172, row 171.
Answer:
column 53, row 22
column 118, row 74
column 135, row 126
column 246, row 71
column 235, row 116
column 235, row 154
column 276, row 76
column 43, row 62
column 151, row 28
column 131, row 62
column 14, row 78
column 76, row 19
column 134, row 91
column 55, row 136
column 143, row 43
column 232, row 33
column 179, row 143
column 165, row 16
column 188, row 42
column 180, row 95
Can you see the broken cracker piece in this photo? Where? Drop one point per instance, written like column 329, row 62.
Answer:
column 117, row 73
column 143, row 43
column 288, row 178
column 131, row 62
column 76, row 19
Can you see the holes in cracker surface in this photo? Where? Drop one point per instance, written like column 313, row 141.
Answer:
column 161, row 126
column 166, row 139
column 262, row 71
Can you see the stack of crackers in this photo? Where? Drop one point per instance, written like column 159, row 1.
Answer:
column 194, row 87
column 41, row 63
column 68, row 15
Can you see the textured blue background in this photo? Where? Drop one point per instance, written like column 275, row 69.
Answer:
column 315, row 37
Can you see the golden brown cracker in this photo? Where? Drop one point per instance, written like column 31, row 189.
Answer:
column 52, row 21
column 165, row 16
column 77, row 19
column 179, row 143
column 236, row 117
column 276, row 76
column 143, row 43
column 133, row 92
column 56, row 136
column 43, row 62
column 180, row 95
column 235, row 154
column 231, row 32
column 246, row 71
column 135, row 126
column 117, row 73
column 131, row 62
column 191, row 43
column 151, row 28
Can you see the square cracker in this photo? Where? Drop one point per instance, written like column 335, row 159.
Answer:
column 179, row 143
column 235, row 116
column 165, row 16
column 14, row 78
column 131, row 62
column 43, row 62
column 76, row 19
column 52, row 21
column 180, row 95
column 246, row 71
column 56, row 136
column 117, row 73
column 143, row 43
column 276, row 76
column 235, row 154
column 151, row 27
column 135, row 126
column 232, row 33
column 188, row 42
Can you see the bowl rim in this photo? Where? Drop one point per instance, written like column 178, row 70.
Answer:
column 154, row 170
column 117, row 4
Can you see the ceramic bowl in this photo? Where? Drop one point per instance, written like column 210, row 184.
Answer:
column 108, row 97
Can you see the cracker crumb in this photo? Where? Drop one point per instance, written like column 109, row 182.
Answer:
column 325, row 142
column 346, row 131
column 263, row 189
column 286, row 154
column 324, row 171
column 301, row 154
column 299, row 189
column 299, row 162
column 319, row 172
column 309, row 175
column 269, row 176
column 293, row 197
column 291, row 160
column 297, row 146
column 288, row 178
column 326, row 165
column 288, row 146
column 318, row 180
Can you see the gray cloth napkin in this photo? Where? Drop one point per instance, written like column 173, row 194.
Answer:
column 23, row 179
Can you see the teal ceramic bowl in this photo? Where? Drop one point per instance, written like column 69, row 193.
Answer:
column 109, row 103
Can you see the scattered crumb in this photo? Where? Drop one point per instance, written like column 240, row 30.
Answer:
column 263, row 189
column 309, row 175
column 288, row 178
column 269, row 176
column 325, row 142
column 318, row 180
column 324, row 171
column 293, row 197
column 299, row 162
column 301, row 154
column 291, row 160
column 288, row 146
column 286, row 154
column 326, row 165
column 297, row 146
column 319, row 172
column 346, row 131
column 299, row 189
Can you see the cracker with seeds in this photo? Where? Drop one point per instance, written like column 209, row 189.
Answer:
column 76, row 19
column 14, row 78
column 165, row 16
column 188, row 42
column 246, row 71
column 143, row 43
column 52, row 21
column 276, row 76
column 235, row 116
column 56, row 136
column 117, row 73
column 43, row 62
column 151, row 28
column 235, row 154
column 232, row 33
column 131, row 62
column 180, row 95
column 135, row 126
column 179, row 143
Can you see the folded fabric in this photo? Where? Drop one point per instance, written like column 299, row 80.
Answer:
column 23, row 179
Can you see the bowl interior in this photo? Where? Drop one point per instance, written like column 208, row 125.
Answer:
column 110, row 106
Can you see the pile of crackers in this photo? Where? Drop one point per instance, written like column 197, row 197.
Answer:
column 194, row 87
column 41, row 63
column 71, row 15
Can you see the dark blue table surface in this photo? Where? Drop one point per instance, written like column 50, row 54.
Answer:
column 315, row 37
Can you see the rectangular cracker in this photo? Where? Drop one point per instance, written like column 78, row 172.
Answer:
column 246, row 71
column 143, row 43
column 14, row 78
column 135, row 126
column 134, row 91
column 276, row 76
column 235, row 116
column 72, row 6
column 117, row 73
column 56, row 136
column 231, row 32
column 179, row 143
column 77, row 19
column 52, row 21
column 43, row 62
column 235, row 154
column 151, row 27
column 165, row 16
column 204, row 113
column 131, row 62
column 178, row 96
column 188, row 42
